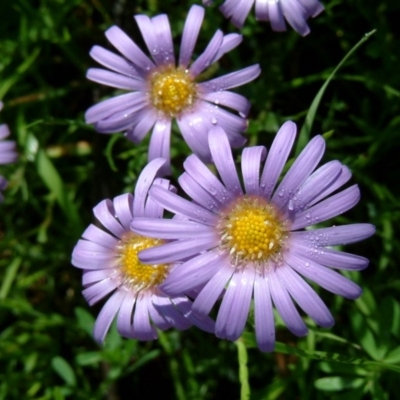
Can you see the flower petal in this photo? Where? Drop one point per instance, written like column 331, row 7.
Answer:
column 285, row 306
column 229, row 81
column 277, row 157
column 143, row 184
column 170, row 228
column 114, row 62
column 204, row 60
column 141, row 327
column 301, row 169
column 190, row 33
column 325, row 277
column 237, row 10
column 204, row 177
column 125, row 314
column 105, row 213
column 178, row 205
column 326, row 209
column 129, row 49
column 160, row 144
column 176, row 251
column 344, row 234
column 193, row 273
column 106, row 316
column 305, row 296
column 251, row 159
column 263, row 315
column 114, row 79
column 234, row 309
column 222, row 156
column 212, row 290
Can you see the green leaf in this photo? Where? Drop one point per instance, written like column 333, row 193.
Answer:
column 9, row 277
column 335, row 383
column 54, row 183
column 308, row 123
column 250, row 342
column 89, row 358
column 85, row 320
column 64, row 370
column 393, row 357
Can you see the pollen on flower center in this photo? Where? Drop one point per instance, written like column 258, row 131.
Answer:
column 252, row 231
column 172, row 90
column 133, row 271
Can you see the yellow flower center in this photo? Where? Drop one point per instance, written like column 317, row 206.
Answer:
column 134, row 272
column 172, row 90
column 252, row 231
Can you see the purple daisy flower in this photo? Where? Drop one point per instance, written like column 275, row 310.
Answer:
column 8, row 153
column 161, row 90
column 110, row 264
column 252, row 243
column 296, row 12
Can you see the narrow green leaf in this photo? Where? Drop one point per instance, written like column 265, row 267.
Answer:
column 336, row 383
column 54, row 183
column 64, row 370
column 9, row 277
column 308, row 123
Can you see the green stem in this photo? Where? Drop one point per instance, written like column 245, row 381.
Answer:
column 243, row 371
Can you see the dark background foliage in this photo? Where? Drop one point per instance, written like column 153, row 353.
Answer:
column 65, row 168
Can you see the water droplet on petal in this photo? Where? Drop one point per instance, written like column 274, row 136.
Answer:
column 291, row 205
column 214, row 121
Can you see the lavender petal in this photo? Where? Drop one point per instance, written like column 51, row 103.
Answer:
column 141, row 327
column 106, row 316
column 204, row 60
column 231, row 80
column 125, row 314
column 335, row 235
column 193, row 273
column 105, row 213
column 285, row 306
column 212, row 290
column 178, row 205
column 234, row 309
column 113, row 79
column 263, row 315
column 143, row 184
column 114, row 62
column 299, row 171
column 160, row 144
column 277, row 157
column 129, row 49
column 222, row 156
column 326, row 209
column 190, row 33
column 251, row 159
column 323, row 276
column 176, row 251
column 305, row 296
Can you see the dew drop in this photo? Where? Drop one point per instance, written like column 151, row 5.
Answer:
column 291, row 205
column 214, row 121
column 307, row 264
column 308, row 215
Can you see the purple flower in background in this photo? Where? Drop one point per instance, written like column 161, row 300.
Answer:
column 252, row 243
column 8, row 152
column 161, row 89
column 110, row 264
column 296, row 12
